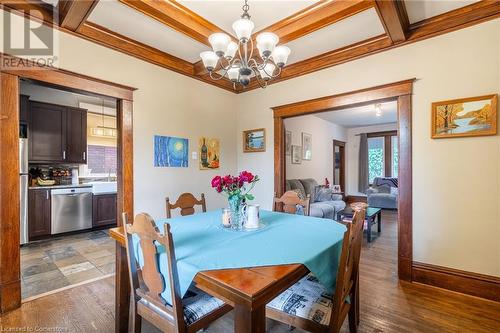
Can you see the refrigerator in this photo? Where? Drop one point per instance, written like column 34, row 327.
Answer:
column 24, row 180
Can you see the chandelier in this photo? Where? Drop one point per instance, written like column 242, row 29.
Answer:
column 235, row 60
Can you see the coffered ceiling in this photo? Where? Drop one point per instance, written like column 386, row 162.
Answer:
column 321, row 34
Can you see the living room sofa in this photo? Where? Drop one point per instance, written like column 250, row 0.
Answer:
column 383, row 193
column 324, row 203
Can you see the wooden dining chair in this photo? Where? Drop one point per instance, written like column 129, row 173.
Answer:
column 289, row 202
column 307, row 304
column 189, row 314
column 186, row 203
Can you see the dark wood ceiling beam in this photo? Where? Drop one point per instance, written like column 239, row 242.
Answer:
column 394, row 18
column 73, row 13
column 176, row 17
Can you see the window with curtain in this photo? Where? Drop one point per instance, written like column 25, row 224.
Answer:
column 376, row 161
column 394, row 156
column 383, row 155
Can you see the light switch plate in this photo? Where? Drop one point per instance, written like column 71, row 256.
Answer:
column 194, row 155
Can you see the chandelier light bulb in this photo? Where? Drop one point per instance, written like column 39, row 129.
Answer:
column 209, row 59
column 233, row 74
column 231, row 50
column 243, row 29
column 266, row 42
column 267, row 72
column 219, row 42
column 280, row 55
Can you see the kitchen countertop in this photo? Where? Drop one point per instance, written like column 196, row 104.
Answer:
column 51, row 187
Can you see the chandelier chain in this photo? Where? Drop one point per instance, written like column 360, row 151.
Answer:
column 245, row 8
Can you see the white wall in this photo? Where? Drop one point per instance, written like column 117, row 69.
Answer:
column 352, row 154
column 456, row 183
column 166, row 103
column 323, row 132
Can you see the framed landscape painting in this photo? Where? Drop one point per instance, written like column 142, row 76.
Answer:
column 473, row 116
column 170, row 151
column 209, row 150
column 254, row 140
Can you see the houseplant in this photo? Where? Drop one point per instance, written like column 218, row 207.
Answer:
column 237, row 189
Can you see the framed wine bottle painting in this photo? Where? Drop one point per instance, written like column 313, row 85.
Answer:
column 209, row 153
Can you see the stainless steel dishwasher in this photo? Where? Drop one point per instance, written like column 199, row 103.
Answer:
column 71, row 209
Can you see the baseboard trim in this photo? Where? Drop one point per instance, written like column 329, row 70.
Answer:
column 484, row 286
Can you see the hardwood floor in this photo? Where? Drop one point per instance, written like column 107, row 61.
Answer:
column 387, row 305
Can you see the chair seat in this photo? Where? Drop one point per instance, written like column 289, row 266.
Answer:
column 197, row 304
column 307, row 299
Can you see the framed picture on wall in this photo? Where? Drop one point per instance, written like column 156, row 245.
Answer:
column 296, row 154
column 474, row 116
column 254, row 140
column 306, row 146
column 288, row 142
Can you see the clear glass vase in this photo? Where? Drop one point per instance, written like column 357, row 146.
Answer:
column 235, row 205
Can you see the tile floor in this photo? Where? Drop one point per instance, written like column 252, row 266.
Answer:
column 60, row 262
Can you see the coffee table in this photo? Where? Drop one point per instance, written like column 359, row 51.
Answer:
column 372, row 214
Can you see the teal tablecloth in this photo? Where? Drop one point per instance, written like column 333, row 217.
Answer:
column 202, row 244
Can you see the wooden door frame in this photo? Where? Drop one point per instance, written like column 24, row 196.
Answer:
column 341, row 144
column 398, row 91
column 10, row 283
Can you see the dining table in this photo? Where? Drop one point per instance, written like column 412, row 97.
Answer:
column 244, row 268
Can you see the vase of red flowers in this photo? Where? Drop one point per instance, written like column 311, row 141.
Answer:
column 237, row 189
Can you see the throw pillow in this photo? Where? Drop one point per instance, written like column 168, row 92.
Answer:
column 394, row 191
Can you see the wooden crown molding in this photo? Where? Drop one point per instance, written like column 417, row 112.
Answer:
column 392, row 13
column 73, row 13
column 464, row 282
column 451, row 21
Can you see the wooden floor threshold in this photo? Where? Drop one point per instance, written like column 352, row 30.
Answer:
column 55, row 291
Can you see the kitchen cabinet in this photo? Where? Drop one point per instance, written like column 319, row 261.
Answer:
column 24, row 105
column 104, row 210
column 57, row 133
column 38, row 213
column 46, row 132
column 76, row 135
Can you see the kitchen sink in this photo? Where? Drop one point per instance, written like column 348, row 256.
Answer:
column 103, row 187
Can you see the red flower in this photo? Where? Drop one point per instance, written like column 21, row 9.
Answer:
column 246, row 177
column 219, row 188
column 228, row 180
column 217, row 182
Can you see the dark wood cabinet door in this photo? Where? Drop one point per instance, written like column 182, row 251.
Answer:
column 38, row 213
column 24, row 108
column 47, row 132
column 104, row 210
column 76, row 135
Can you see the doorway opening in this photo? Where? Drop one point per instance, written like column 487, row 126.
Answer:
column 398, row 93
column 10, row 184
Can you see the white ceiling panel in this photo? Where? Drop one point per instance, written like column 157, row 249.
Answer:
column 362, row 115
column 263, row 12
column 126, row 21
column 346, row 32
column 419, row 10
